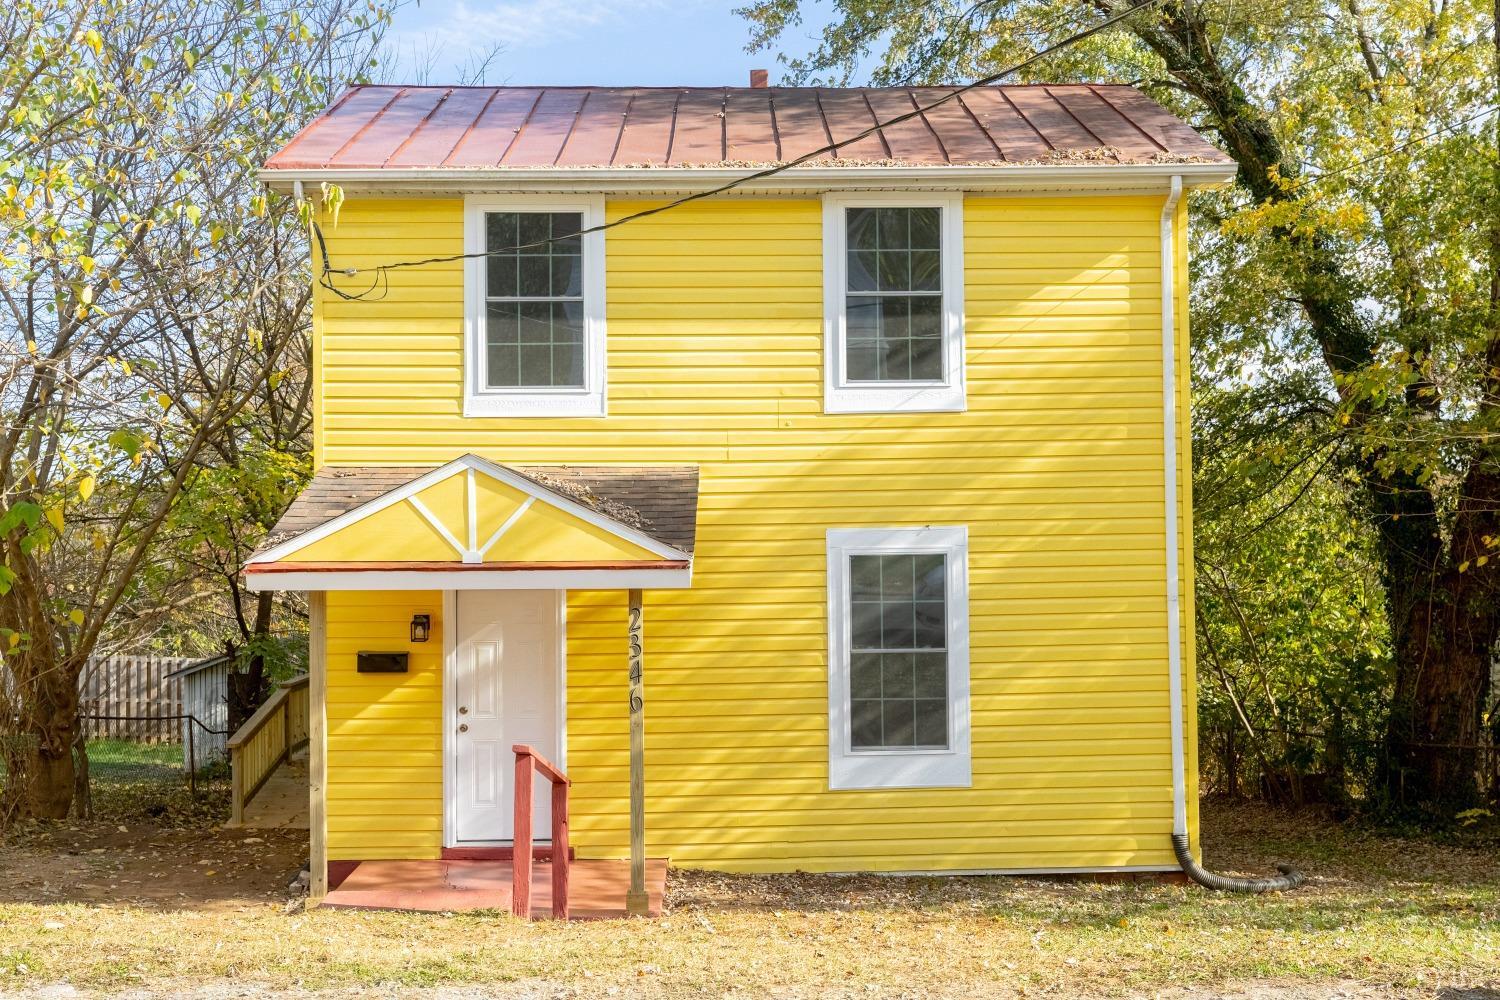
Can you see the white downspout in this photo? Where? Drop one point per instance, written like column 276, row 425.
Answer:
column 1289, row 878
column 1169, row 466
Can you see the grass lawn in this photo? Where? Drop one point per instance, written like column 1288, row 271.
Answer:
column 119, row 907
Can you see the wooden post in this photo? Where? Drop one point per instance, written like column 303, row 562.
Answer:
column 520, row 896
column 560, row 860
column 317, row 744
column 237, row 787
column 636, row 901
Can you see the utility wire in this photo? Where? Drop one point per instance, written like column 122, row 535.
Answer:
column 381, row 271
column 1392, row 151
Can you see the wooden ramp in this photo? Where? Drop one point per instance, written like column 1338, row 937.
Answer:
column 596, row 888
column 281, row 803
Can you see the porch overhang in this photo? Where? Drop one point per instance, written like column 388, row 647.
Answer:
column 473, row 524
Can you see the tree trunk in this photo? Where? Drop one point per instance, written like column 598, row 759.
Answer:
column 53, row 721
column 1444, row 636
column 248, row 687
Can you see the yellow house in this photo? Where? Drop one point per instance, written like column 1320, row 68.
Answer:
column 861, row 413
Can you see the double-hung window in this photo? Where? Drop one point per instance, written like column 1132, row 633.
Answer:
column 898, row 691
column 893, row 303
column 534, row 289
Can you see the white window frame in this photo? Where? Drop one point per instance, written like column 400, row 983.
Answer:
column 481, row 401
column 843, row 396
column 899, row 768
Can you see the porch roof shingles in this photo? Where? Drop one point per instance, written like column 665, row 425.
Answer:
column 500, row 128
column 658, row 501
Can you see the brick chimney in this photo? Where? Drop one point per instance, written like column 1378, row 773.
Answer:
column 759, row 78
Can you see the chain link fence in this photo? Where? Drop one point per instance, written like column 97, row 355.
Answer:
column 133, row 779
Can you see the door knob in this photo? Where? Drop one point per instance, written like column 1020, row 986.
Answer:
column 464, row 728
column 463, row 710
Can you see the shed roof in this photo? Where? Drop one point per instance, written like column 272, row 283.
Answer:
column 199, row 665
column 487, row 128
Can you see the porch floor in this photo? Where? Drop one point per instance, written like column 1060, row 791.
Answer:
column 596, row 889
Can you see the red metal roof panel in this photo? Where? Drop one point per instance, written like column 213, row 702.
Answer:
column 912, row 140
column 374, row 127
column 1102, row 120
column 747, row 120
column 597, row 132
column 443, row 130
column 800, row 128
column 848, row 114
column 542, row 135
column 648, row 129
column 1004, row 125
column 700, row 127
column 495, row 132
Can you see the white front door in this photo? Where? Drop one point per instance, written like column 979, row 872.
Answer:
column 504, row 692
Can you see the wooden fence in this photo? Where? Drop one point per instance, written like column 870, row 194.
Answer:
column 131, row 698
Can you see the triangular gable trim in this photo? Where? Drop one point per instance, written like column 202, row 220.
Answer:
column 496, row 471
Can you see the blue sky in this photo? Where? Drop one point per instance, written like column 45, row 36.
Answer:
column 608, row 42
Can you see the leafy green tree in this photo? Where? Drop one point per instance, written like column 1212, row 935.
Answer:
column 1364, row 234
column 146, row 292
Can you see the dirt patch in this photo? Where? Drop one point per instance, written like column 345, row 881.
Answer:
column 128, row 865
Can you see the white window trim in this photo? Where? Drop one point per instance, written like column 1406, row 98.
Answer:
column 589, row 401
column 842, row 396
column 947, row 768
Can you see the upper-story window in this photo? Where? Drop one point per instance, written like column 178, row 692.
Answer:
column 535, row 344
column 893, row 303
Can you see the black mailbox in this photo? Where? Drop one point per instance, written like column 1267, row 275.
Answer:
column 381, row 663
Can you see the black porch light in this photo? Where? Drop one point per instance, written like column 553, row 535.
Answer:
column 421, row 627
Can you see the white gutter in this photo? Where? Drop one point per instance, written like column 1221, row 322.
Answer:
column 1021, row 177
column 1169, row 465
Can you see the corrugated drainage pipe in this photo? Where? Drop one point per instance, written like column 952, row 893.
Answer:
column 1290, row 877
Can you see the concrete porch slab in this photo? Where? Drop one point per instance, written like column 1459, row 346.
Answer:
column 596, row 889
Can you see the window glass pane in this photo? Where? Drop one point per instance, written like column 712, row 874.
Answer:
column 926, row 270
column 865, row 725
column 895, row 271
column 894, row 307
column 534, row 276
column 926, row 359
column 534, row 283
column 893, row 228
column 931, row 723
column 896, row 675
column 898, row 664
column 931, row 675
column 926, row 228
column 861, row 223
column 863, row 265
column 864, row 625
column 896, row 723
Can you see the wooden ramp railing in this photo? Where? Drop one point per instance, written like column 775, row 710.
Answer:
column 276, row 731
column 528, row 764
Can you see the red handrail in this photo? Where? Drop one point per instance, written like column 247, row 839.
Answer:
column 528, row 764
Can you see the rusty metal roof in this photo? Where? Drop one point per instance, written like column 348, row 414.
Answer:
column 659, row 501
column 395, row 127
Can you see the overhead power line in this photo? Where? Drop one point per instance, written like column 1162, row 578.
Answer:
column 1312, row 179
column 380, row 271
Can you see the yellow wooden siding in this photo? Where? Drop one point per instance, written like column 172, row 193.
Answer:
column 385, row 761
column 715, row 358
